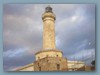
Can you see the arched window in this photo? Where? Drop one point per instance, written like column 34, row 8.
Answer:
column 39, row 68
column 47, row 60
column 57, row 55
column 38, row 57
column 58, row 66
column 38, row 64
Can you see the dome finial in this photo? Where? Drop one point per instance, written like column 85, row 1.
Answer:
column 48, row 9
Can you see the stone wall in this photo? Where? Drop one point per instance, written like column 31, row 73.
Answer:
column 48, row 30
column 48, row 53
column 51, row 64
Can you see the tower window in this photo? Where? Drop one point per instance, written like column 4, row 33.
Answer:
column 38, row 64
column 38, row 57
column 39, row 68
column 47, row 60
column 58, row 66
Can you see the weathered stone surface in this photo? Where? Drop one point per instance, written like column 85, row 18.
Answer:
column 51, row 64
column 48, row 30
column 48, row 53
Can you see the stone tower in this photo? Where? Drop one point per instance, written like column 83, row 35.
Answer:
column 49, row 58
column 48, row 29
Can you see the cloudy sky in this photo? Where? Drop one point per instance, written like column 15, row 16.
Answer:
column 23, row 29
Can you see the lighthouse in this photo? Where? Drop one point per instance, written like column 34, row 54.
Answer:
column 49, row 58
column 49, row 47
column 48, row 29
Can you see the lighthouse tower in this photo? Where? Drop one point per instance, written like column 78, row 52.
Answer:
column 49, row 58
column 48, row 29
column 49, row 46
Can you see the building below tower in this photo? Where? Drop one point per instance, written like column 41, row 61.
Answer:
column 51, row 64
column 54, row 64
